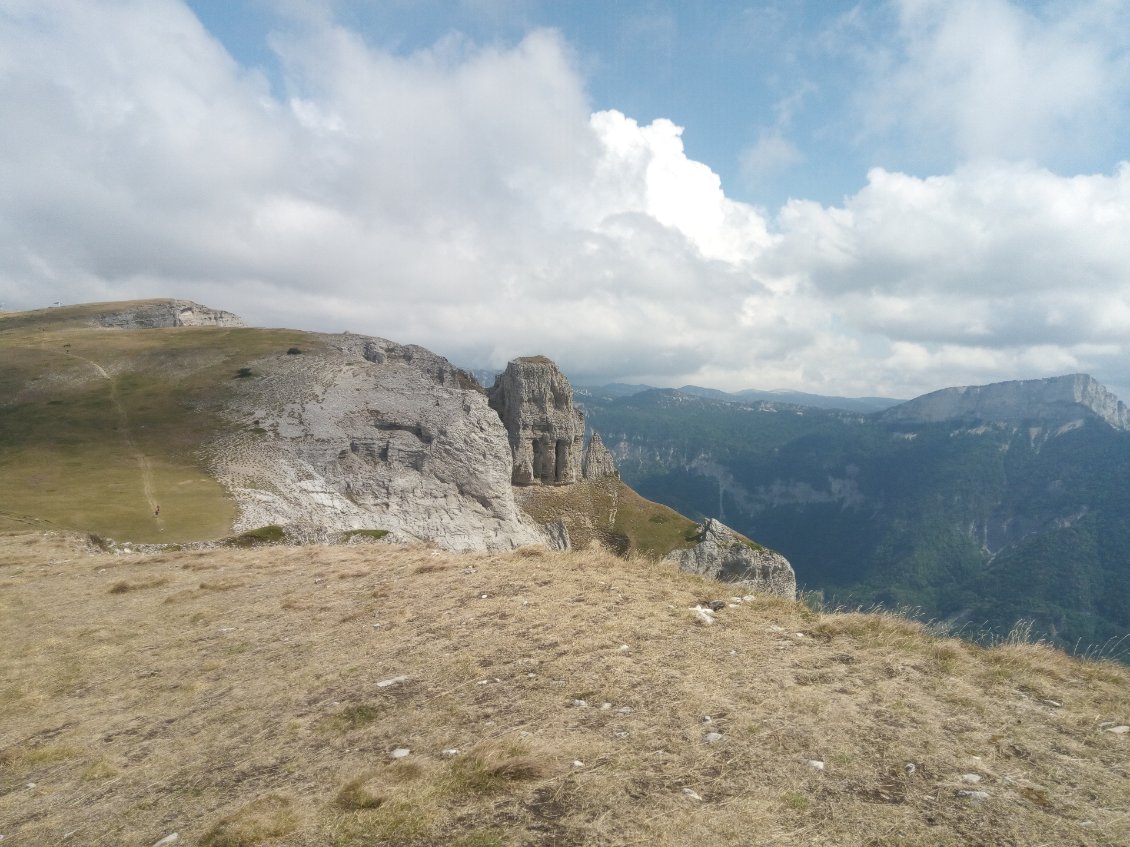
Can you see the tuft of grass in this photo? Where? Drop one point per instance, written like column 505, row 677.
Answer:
column 354, row 717
column 355, row 795
column 374, row 534
column 269, row 534
column 401, row 821
column 491, row 768
column 267, row 817
column 124, row 586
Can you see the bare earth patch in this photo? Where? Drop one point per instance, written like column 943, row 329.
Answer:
column 371, row 694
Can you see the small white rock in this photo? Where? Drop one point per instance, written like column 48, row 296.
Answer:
column 388, row 683
column 1118, row 730
column 31, row 785
column 712, row 737
column 971, row 778
column 581, row 704
column 605, row 705
column 691, row 795
column 749, row 598
column 400, row 752
column 171, row 838
column 577, row 763
column 707, row 719
column 974, row 795
column 624, row 648
column 815, row 764
column 775, row 628
column 451, row 751
column 484, row 596
column 703, row 615
column 909, row 768
column 625, row 710
column 620, row 734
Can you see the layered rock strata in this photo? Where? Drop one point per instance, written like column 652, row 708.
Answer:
column 363, row 433
column 1056, row 401
column 724, row 555
column 546, row 432
column 157, row 314
column 598, row 462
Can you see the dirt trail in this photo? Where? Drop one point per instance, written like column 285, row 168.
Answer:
column 142, row 460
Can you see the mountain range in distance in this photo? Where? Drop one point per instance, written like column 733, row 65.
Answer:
column 978, row 506
column 863, row 405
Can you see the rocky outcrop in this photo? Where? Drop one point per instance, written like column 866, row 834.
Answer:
column 156, row 314
column 598, row 462
column 724, row 555
column 1055, row 401
column 546, row 432
column 363, row 433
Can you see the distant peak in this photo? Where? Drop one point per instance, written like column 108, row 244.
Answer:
column 1052, row 400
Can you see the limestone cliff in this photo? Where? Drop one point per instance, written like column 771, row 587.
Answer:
column 724, row 555
column 363, row 433
column 546, row 432
column 156, row 314
column 598, row 462
column 1055, row 401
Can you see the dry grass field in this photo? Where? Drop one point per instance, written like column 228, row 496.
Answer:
column 244, row 697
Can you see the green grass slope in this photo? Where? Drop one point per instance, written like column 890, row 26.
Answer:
column 259, row 697
column 99, row 426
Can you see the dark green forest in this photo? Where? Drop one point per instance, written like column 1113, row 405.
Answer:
column 981, row 526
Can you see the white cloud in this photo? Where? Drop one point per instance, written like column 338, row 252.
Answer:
column 993, row 78
column 772, row 152
column 468, row 199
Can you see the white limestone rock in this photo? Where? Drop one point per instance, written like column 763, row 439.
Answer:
column 1056, row 401
column 724, row 555
column 598, row 462
column 156, row 314
column 364, row 433
column 546, row 432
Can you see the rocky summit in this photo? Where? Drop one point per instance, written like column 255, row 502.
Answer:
column 546, row 431
column 722, row 554
column 1056, row 401
column 155, row 314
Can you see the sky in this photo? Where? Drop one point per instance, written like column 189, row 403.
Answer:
column 877, row 198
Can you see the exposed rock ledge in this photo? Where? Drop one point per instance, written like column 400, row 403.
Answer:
column 1055, row 401
column 157, row 314
column 363, row 433
column 724, row 555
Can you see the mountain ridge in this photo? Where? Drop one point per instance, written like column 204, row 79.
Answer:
column 1056, row 401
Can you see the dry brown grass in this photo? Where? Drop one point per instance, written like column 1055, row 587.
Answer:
column 250, row 712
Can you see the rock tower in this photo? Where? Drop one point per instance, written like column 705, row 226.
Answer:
column 546, row 432
column 598, row 462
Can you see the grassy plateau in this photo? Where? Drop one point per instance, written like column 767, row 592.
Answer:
column 98, row 426
column 369, row 694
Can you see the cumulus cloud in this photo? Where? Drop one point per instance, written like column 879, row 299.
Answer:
column 468, row 198
column 999, row 79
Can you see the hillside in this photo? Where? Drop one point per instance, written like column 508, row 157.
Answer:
column 243, row 697
column 98, row 426
column 982, row 523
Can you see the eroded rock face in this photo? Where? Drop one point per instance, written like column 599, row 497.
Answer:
column 1057, row 400
column 546, row 433
column 724, row 555
column 598, row 462
column 363, row 433
column 156, row 314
